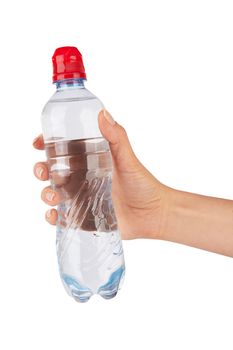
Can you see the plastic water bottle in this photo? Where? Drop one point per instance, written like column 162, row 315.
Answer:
column 89, row 247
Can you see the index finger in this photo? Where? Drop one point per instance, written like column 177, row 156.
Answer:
column 38, row 142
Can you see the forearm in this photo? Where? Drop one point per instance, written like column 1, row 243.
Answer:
column 199, row 221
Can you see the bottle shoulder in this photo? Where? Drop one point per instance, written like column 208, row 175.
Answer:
column 72, row 98
column 72, row 94
column 71, row 114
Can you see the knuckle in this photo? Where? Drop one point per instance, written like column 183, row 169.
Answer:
column 122, row 129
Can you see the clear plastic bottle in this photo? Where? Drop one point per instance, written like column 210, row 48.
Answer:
column 89, row 247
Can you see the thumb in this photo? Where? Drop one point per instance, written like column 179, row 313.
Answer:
column 121, row 150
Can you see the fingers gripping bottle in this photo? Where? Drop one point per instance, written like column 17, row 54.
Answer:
column 89, row 248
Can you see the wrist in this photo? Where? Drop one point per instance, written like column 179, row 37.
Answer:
column 162, row 207
column 168, row 208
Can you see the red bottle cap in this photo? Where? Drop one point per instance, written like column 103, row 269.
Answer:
column 67, row 64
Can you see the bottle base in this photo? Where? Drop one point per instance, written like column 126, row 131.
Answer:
column 75, row 289
column 82, row 294
column 110, row 289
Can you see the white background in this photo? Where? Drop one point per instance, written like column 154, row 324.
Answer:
column 164, row 69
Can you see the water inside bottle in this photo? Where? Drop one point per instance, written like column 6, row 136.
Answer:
column 89, row 247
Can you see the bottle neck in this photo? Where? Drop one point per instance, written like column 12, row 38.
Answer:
column 70, row 84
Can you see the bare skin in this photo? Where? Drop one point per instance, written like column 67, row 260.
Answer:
column 146, row 208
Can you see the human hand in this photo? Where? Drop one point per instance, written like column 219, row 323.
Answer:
column 139, row 198
column 145, row 208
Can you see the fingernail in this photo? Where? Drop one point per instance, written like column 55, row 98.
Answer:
column 108, row 117
column 35, row 140
column 48, row 214
column 50, row 196
column 39, row 171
